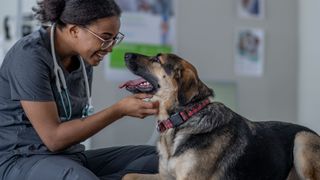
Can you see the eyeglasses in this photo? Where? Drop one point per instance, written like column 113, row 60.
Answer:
column 109, row 42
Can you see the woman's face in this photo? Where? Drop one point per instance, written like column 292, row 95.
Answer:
column 91, row 38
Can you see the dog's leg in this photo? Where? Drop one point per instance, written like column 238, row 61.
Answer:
column 136, row 176
column 307, row 155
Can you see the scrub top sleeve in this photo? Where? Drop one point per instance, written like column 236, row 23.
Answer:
column 29, row 77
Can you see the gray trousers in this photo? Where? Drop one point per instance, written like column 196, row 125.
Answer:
column 104, row 164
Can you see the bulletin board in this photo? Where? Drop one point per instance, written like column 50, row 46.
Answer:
column 149, row 29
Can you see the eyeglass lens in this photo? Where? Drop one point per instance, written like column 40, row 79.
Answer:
column 112, row 42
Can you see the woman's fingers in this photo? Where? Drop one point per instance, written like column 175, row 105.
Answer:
column 150, row 111
column 147, row 112
column 135, row 106
column 143, row 96
column 149, row 108
column 150, row 105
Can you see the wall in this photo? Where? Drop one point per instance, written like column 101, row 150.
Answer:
column 206, row 34
column 10, row 8
column 309, row 63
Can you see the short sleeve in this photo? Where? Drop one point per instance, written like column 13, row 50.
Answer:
column 29, row 76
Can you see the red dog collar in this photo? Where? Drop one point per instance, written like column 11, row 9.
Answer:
column 180, row 117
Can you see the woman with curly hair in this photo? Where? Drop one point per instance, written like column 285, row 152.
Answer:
column 45, row 98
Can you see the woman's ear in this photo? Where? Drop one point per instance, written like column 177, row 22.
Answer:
column 73, row 30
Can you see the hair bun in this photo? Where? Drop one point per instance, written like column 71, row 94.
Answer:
column 78, row 12
column 49, row 10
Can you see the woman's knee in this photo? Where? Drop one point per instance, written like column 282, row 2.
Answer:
column 147, row 150
column 60, row 168
column 75, row 173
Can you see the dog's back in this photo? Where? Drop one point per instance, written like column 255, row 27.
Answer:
column 269, row 152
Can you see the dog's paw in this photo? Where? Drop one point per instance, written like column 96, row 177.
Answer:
column 136, row 176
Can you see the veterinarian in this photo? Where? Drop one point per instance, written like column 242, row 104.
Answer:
column 45, row 98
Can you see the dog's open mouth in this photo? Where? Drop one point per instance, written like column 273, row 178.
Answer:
column 139, row 85
column 147, row 82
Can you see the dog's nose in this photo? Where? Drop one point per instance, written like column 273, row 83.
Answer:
column 129, row 56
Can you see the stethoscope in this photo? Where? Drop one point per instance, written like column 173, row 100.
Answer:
column 62, row 85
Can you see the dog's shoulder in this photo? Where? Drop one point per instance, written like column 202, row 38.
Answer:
column 212, row 117
column 214, row 124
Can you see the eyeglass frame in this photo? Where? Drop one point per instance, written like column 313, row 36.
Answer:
column 109, row 42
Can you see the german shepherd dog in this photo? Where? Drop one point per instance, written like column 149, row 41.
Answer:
column 204, row 140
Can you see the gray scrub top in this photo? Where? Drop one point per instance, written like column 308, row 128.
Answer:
column 27, row 74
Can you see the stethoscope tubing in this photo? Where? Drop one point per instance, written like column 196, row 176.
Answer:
column 62, row 85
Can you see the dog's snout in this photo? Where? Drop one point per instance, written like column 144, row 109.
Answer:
column 129, row 56
column 129, row 60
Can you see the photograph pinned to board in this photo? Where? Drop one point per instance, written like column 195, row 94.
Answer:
column 249, row 52
column 251, row 9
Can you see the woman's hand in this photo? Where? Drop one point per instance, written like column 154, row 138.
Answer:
column 135, row 106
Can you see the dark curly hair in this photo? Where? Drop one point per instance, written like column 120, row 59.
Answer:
column 79, row 12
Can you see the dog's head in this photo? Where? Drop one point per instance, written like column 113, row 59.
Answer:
column 173, row 81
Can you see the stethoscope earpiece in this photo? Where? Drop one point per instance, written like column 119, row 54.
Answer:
column 62, row 85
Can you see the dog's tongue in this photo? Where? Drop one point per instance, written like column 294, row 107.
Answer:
column 132, row 83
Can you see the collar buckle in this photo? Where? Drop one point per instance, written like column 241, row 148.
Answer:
column 176, row 119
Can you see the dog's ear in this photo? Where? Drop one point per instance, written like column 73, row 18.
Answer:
column 191, row 88
column 188, row 86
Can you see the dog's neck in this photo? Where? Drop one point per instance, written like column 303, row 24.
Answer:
column 165, row 112
column 180, row 117
column 193, row 102
column 163, row 103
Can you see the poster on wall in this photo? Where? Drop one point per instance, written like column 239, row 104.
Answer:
column 251, row 9
column 149, row 28
column 249, row 52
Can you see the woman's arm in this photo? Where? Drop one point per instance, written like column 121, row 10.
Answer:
column 58, row 136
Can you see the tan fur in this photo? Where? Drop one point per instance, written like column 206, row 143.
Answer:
column 167, row 94
column 183, row 166
column 187, row 76
column 136, row 176
column 206, row 159
column 189, row 165
column 293, row 175
column 307, row 155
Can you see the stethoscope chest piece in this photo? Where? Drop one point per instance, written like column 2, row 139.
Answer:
column 87, row 110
